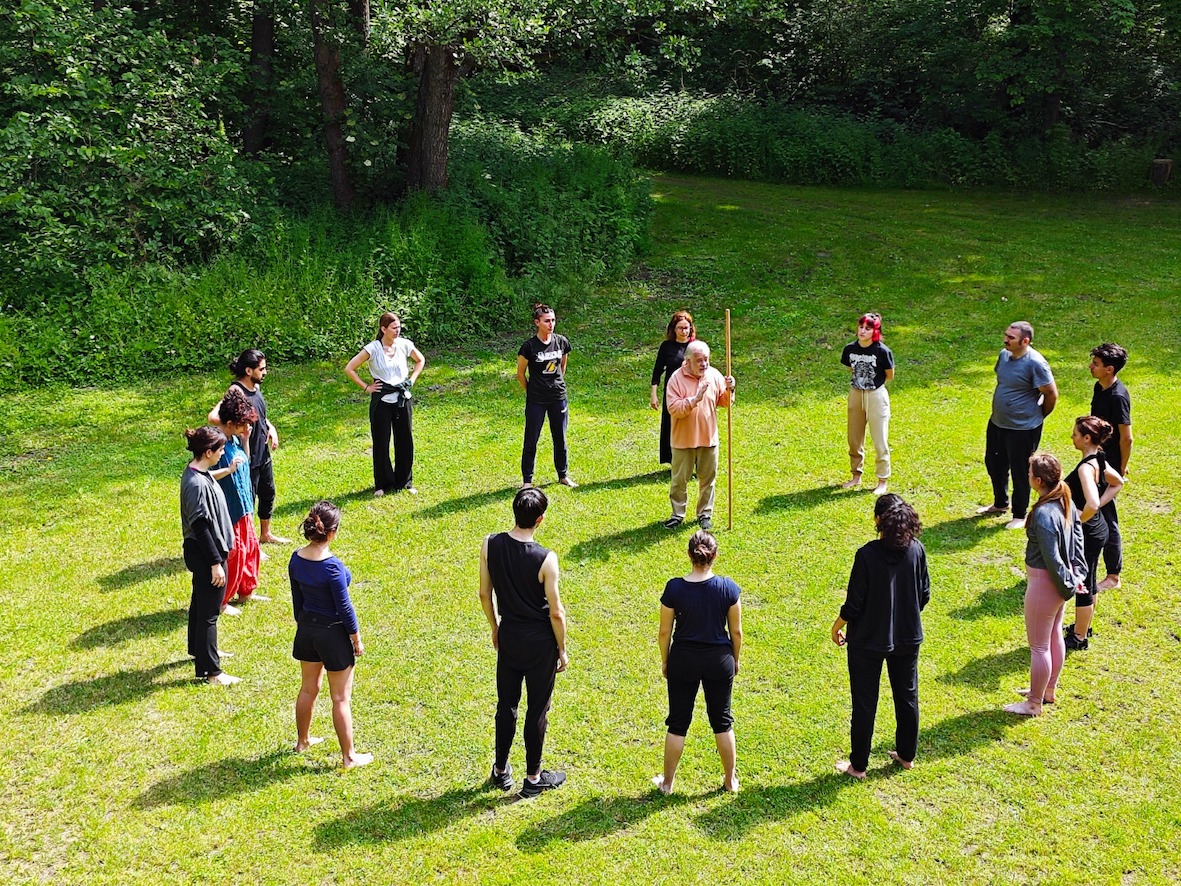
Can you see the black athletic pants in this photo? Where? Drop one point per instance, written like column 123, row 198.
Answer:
column 532, row 658
column 1007, row 452
column 865, row 678
column 1113, row 551
column 204, row 608
column 535, row 415
column 396, row 419
column 1095, row 535
column 262, row 479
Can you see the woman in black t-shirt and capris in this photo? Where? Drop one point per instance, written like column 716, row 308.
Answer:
column 700, row 640
column 871, row 364
column 541, row 372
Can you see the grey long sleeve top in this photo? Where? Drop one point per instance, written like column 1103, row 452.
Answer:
column 1056, row 548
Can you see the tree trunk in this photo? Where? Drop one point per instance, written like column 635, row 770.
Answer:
column 359, row 13
column 332, row 103
column 438, row 72
column 256, row 133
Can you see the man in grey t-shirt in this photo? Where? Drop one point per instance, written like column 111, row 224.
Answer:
column 1025, row 394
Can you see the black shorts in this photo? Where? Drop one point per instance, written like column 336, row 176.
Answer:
column 321, row 639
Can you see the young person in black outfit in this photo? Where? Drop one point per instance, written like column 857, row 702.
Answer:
column 249, row 369
column 888, row 588
column 1094, row 484
column 541, row 372
column 519, row 593
column 700, row 642
column 1112, row 403
column 208, row 539
column 669, row 358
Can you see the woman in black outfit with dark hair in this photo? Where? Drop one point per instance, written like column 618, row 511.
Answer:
column 208, row 539
column 668, row 360
column 888, row 588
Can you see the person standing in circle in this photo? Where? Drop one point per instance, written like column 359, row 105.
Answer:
column 1111, row 402
column 669, row 359
column 327, row 636
column 872, row 365
column 888, row 588
column 541, row 372
column 700, row 643
column 208, row 538
column 233, row 475
column 249, row 369
column 390, row 409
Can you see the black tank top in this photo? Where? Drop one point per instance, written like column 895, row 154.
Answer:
column 520, row 596
column 1076, row 485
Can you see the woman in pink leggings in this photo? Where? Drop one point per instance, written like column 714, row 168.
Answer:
column 1056, row 568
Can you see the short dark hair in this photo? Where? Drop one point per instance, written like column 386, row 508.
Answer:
column 1024, row 327
column 248, row 359
column 528, row 507
column 898, row 522
column 1111, row 354
column 202, row 440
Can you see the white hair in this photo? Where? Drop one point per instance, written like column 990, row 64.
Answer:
column 697, row 346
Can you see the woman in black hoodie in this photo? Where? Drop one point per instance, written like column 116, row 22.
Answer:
column 888, row 588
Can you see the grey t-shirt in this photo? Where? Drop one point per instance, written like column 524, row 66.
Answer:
column 1016, row 402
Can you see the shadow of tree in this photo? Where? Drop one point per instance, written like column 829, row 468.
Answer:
column 123, row 629
column 134, row 574
column 986, row 672
column 629, row 540
column 225, row 778
column 803, row 498
column 960, row 534
column 405, row 817
column 961, row 735
column 595, row 818
column 114, row 689
column 994, row 603
column 468, row 502
column 300, row 507
column 754, row 806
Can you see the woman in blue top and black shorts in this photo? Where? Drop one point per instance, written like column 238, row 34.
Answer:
column 327, row 636
column 700, row 640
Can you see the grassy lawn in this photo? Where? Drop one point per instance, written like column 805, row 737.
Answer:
column 118, row 768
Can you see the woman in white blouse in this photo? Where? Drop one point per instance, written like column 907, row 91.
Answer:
column 390, row 411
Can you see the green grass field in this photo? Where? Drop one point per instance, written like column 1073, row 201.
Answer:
column 119, row 769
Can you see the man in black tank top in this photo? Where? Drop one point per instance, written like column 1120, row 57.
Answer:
column 519, row 593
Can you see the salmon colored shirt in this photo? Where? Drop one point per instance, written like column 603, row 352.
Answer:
column 694, row 426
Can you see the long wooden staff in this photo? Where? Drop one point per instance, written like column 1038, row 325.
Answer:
column 729, row 439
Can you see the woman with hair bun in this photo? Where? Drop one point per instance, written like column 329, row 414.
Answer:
column 327, row 636
column 871, row 365
column 888, row 588
column 669, row 359
column 700, row 641
column 208, row 539
column 541, row 373
column 1056, row 568
column 232, row 473
column 1093, row 484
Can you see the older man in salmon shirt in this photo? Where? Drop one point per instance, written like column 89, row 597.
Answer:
column 695, row 392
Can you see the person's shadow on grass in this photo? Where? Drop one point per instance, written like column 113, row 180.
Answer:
column 469, row 502
column 113, row 689
column 756, row 805
column 112, row 633
column 965, row 733
column 628, row 541
column 994, row 603
column 595, row 818
column 301, row 507
column 138, row 572
column 960, row 534
column 986, row 672
column 803, row 498
column 405, row 817
column 225, row 778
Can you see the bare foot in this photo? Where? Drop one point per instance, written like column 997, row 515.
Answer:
column 846, row 768
column 881, row 488
column 1024, row 693
column 263, row 556
column 526, row 485
column 378, row 493
column 990, row 511
column 357, row 760
column 658, row 782
column 731, row 786
column 566, row 481
column 256, row 597
column 1016, row 523
column 223, row 654
column 410, row 490
column 272, row 539
column 301, row 746
column 853, row 483
column 1025, row 708
column 905, row 764
column 222, row 679
column 230, row 610
column 1110, row 583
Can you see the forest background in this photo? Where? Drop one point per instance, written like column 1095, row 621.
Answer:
column 302, row 166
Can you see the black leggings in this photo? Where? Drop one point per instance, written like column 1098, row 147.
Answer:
column 1095, row 535
column 262, row 478
column 535, row 415
column 533, row 659
column 865, row 679
column 204, row 608
column 710, row 667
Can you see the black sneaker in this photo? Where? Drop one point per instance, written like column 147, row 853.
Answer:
column 1069, row 629
column 705, row 523
column 673, row 522
column 545, row 782
column 502, row 780
column 1075, row 644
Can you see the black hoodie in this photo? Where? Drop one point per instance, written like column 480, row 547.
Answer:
column 888, row 588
